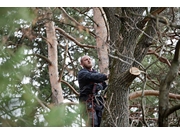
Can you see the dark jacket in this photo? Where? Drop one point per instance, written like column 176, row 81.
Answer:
column 86, row 80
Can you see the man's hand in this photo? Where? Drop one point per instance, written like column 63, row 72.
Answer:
column 107, row 76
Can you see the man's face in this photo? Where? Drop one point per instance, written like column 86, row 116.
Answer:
column 86, row 62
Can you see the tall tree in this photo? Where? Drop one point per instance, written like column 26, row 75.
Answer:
column 53, row 57
column 131, row 46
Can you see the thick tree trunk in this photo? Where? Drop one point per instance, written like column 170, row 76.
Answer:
column 57, row 95
column 129, row 44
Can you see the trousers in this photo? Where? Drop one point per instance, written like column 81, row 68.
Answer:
column 91, row 112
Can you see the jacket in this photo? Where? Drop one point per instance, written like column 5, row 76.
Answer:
column 86, row 80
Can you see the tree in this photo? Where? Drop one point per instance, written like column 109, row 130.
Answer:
column 164, row 110
column 131, row 37
column 53, row 58
column 133, row 45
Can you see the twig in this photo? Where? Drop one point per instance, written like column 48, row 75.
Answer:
column 65, row 55
column 40, row 56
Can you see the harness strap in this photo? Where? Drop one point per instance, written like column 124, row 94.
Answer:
column 94, row 88
column 90, row 100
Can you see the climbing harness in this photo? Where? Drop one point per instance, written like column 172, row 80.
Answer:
column 93, row 104
column 90, row 105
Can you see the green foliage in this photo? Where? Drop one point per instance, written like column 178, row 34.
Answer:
column 12, row 16
column 25, row 79
column 15, row 96
column 62, row 116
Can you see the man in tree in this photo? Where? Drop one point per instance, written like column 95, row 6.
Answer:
column 91, row 84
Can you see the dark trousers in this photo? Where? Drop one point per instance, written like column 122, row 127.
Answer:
column 91, row 112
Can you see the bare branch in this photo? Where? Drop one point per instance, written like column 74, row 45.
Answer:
column 64, row 61
column 151, row 93
column 73, row 39
column 162, row 59
column 165, row 21
column 105, row 21
column 75, row 92
column 40, row 102
column 171, row 110
column 40, row 56
column 77, row 24
column 70, row 103
column 143, row 101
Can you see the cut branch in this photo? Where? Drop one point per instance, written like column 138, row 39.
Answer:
column 135, row 71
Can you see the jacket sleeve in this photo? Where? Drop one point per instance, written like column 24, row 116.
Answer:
column 91, row 76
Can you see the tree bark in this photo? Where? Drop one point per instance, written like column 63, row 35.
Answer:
column 124, row 41
column 129, row 44
column 165, row 87
column 56, row 89
column 101, row 29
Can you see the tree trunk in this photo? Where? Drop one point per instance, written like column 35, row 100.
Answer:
column 101, row 29
column 57, row 95
column 129, row 44
column 124, row 42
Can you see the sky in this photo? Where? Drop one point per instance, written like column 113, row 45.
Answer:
column 90, row 3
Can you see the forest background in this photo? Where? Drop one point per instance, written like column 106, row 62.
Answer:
column 27, row 96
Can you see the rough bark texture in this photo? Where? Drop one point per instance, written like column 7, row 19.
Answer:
column 125, row 36
column 165, row 87
column 52, row 56
column 101, row 28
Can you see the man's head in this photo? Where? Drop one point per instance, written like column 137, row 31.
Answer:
column 86, row 62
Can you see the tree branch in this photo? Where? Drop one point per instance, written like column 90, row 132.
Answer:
column 166, row 85
column 161, row 59
column 75, row 92
column 77, row 24
column 40, row 56
column 151, row 93
column 64, row 62
column 171, row 110
column 73, row 39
